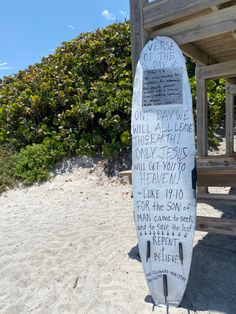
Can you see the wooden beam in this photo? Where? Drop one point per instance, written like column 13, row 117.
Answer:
column 225, row 5
column 231, row 80
column 221, row 6
column 233, row 34
column 192, row 51
column 216, row 225
column 211, row 197
column 159, row 12
column 217, row 160
column 232, row 88
column 212, row 24
column 219, row 70
column 138, row 35
column 217, row 171
column 215, row 8
column 202, row 117
column 229, row 120
column 215, row 179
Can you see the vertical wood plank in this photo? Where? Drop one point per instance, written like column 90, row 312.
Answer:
column 139, row 37
column 202, row 123
column 202, row 118
column 229, row 121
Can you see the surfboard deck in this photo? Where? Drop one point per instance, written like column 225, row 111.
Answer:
column 163, row 169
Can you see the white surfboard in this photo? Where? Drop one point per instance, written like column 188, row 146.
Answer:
column 163, row 169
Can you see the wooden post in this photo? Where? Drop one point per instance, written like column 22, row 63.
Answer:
column 229, row 121
column 139, row 37
column 202, row 123
column 202, row 118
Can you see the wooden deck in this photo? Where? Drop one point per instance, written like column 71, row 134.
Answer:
column 204, row 29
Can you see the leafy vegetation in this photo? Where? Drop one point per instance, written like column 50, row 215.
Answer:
column 34, row 162
column 7, row 175
column 79, row 97
column 76, row 101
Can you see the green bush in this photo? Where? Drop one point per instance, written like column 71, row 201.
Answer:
column 79, row 97
column 7, row 176
column 34, row 163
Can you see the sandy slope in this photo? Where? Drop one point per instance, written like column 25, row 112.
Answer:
column 69, row 246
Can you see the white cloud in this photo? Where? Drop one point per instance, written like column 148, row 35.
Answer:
column 5, row 66
column 108, row 15
column 123, row 13
column 71, row 26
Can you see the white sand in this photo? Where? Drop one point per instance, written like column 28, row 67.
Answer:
column 68, row 246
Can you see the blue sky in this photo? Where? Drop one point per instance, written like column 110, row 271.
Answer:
column 31, row 29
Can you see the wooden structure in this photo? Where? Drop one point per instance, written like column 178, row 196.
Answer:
column 205, row 30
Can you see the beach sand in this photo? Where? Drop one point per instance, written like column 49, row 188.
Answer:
column 69, row 246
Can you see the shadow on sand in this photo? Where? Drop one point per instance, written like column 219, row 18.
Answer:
column 212, row 280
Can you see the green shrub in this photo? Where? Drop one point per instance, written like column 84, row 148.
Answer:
column 34, row 163
column 7, row 177
column 79, row 97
